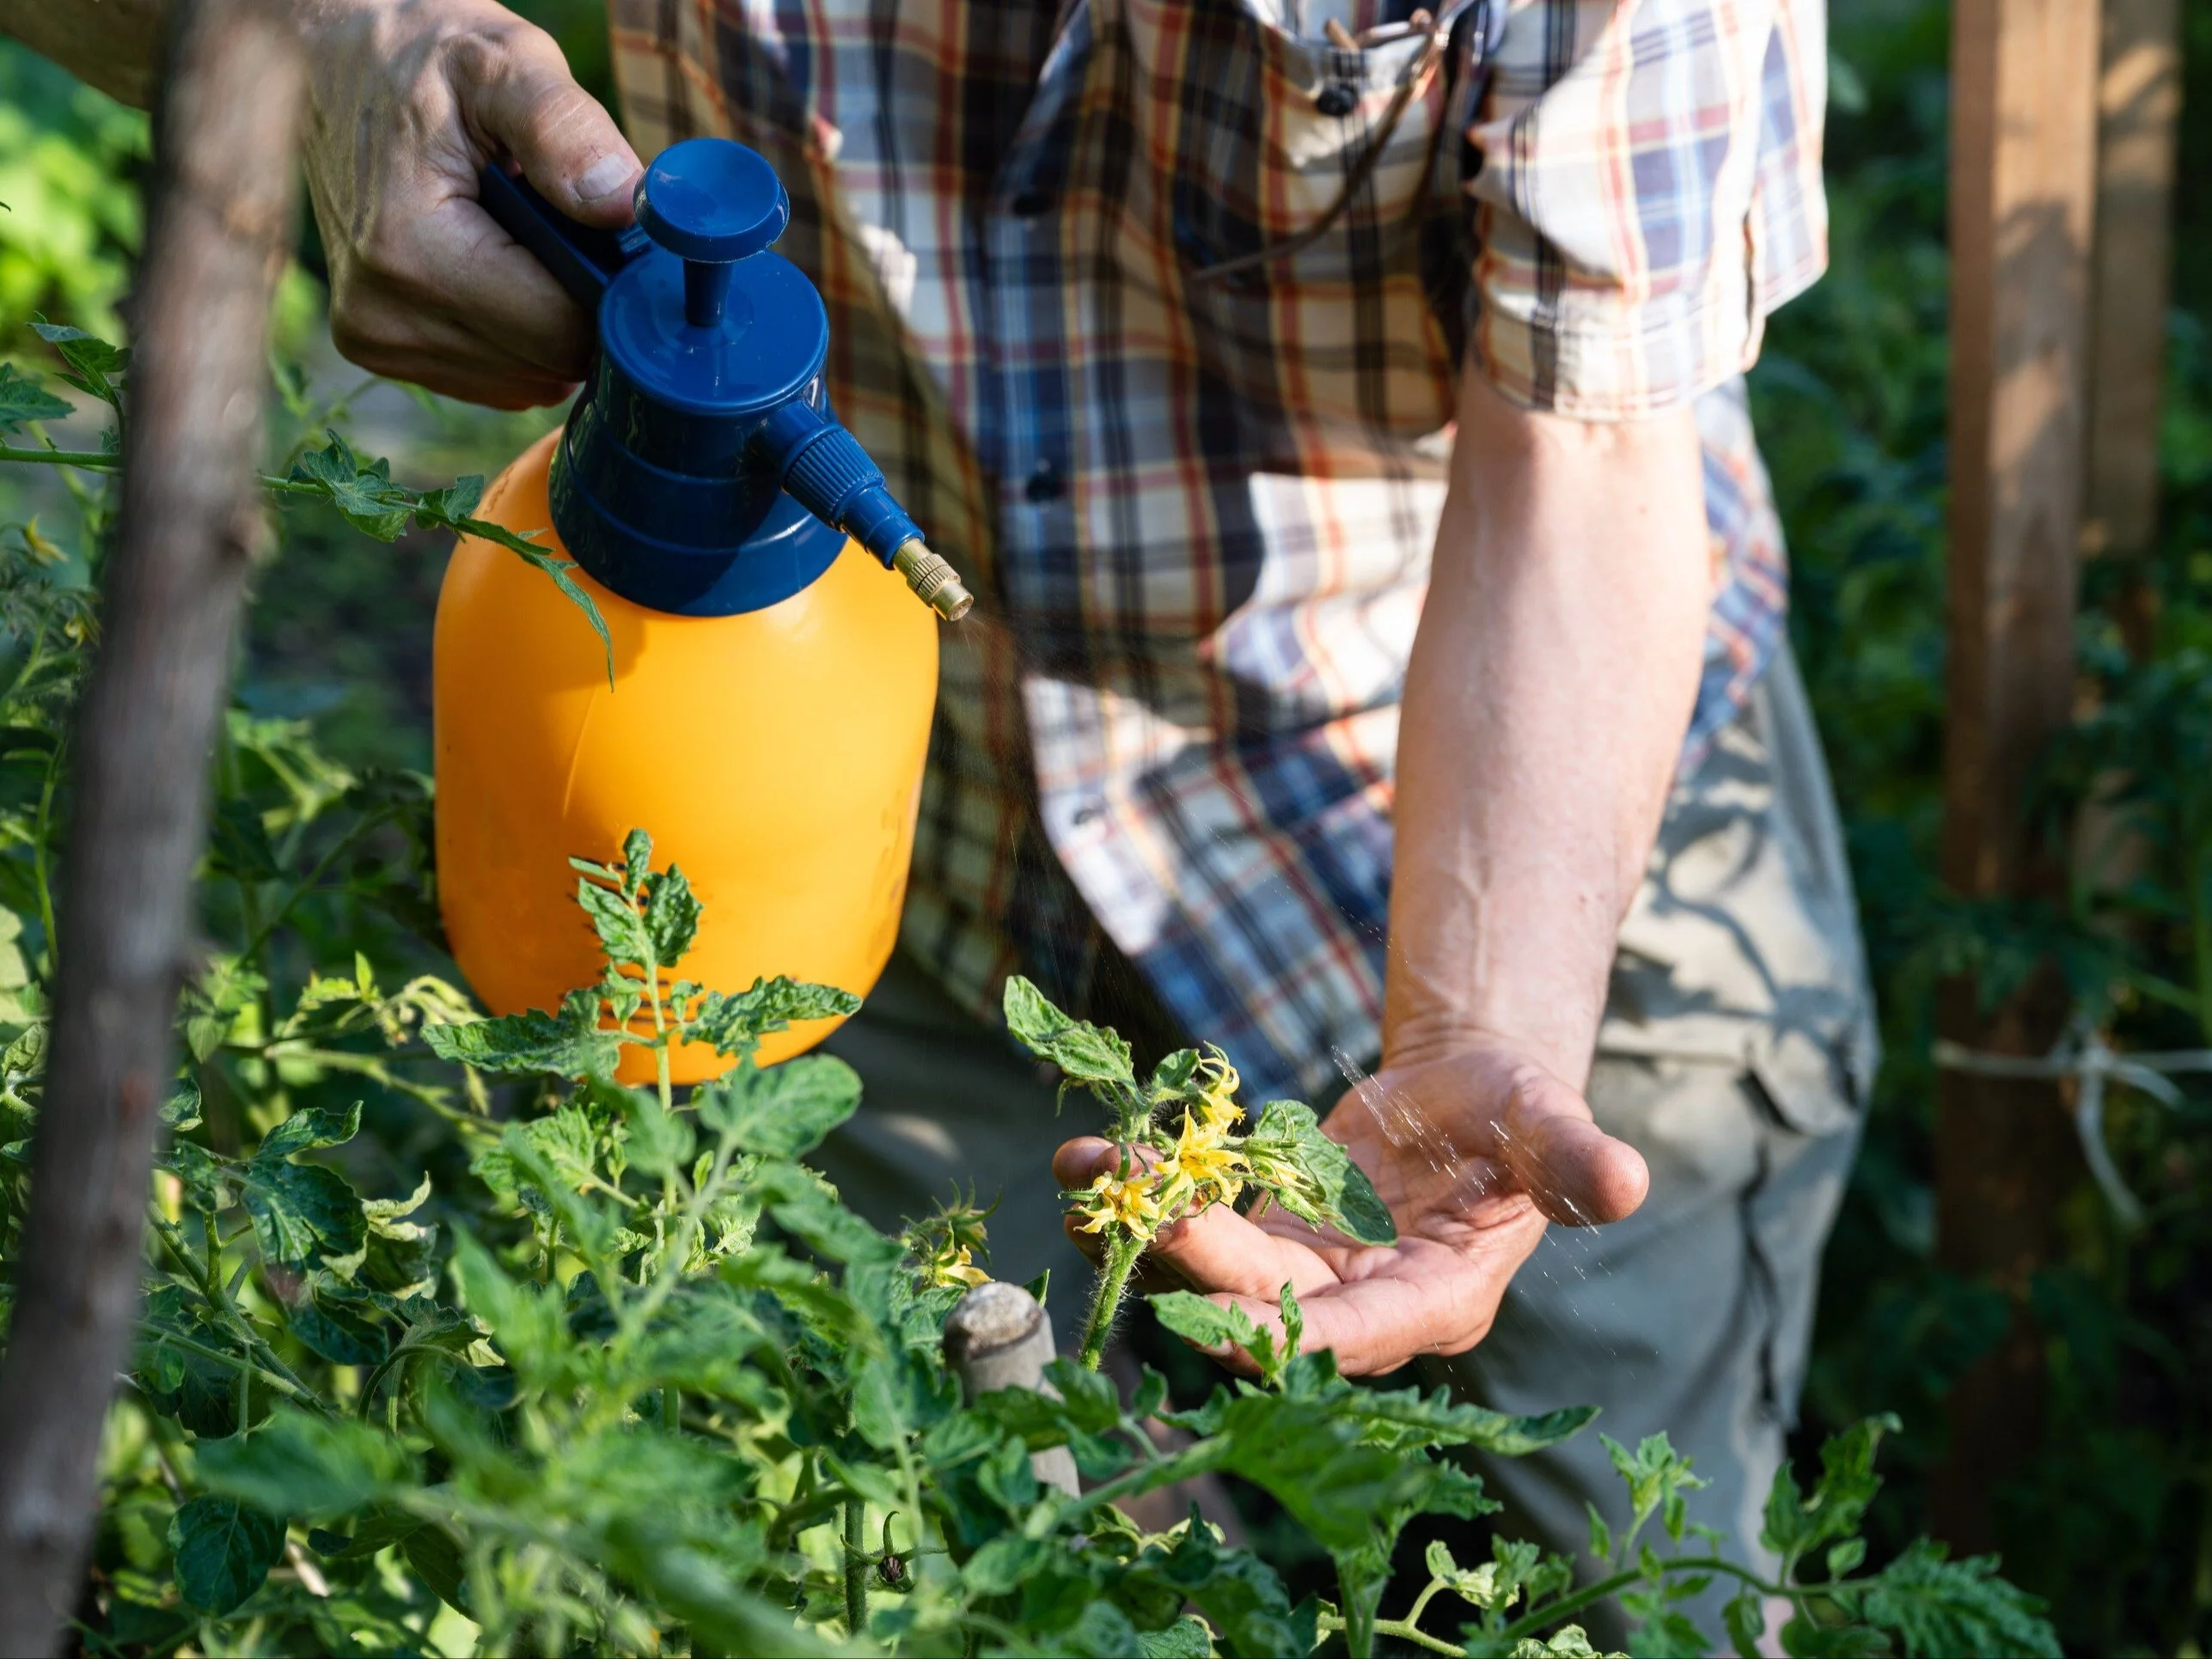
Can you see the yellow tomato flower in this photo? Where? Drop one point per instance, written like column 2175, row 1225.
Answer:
column 1204, row 1156
column 1113, row 1200
column 1217, row 1094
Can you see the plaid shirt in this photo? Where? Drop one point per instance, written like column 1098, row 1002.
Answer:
column 1152, row 311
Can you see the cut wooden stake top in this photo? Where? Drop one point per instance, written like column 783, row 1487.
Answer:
column 996, row 1337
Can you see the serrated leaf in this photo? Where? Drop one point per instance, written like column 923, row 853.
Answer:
column 659, row 1142
column 671, row 919
column 300, row 1464
column 339, row 1330
column 570, row 1044
column 182, row 1110
column 458, row 499
column 615, row 918
column 1084, row 1052
column 528, row 1321
column 1314, row 1178
column 732, row 1024
column 305, row 1131
column 1937, row 1606
column 223, row 1550
column 301, row 1212
column 1188, row 1638
column 782, row 1111
column 23, row 399
column 95, row 364
column 1211, row 1325
column 1746, row 1622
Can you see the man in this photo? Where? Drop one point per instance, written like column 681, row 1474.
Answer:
column 1338, row 409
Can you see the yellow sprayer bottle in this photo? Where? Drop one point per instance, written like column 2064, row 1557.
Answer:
column 772, row 674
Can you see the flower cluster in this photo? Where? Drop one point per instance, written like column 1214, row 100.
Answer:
column 943, row 1246
column 1201, row 1165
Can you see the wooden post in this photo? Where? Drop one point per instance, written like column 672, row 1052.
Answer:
column 2138, row 109
column 218, row 228
column 996, row 1337
column 2023, row 172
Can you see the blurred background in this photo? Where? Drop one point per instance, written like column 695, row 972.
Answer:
column 2112, row 1516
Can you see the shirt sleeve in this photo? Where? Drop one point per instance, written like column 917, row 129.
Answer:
column 1647, row 190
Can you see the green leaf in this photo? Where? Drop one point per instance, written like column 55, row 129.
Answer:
column 458, row 499
column 339, row 1330
column 1314, row 1178
column 304, row 1130
column 672, row 911
column 735, row 1024
column 615, row 918
column 181, row 1112
column 1187, row 1638
column 301, row 1465
column 22, row 400
column 1747, row 1622
column 363, row 492
column 782, row 1111
column 1795, row 1525
column 1086, row 1053
column 1939, row 1606
column 301, row 1212
column 659, row 1142
column 570, row 1044
column 528, row 1321
column 1004, row 1563
column 1211, row 1325
column 96, row 365
column 1657, row 1476
column 223, row 1550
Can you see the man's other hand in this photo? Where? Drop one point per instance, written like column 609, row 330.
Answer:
column 1472, row 1151
column 409, row 98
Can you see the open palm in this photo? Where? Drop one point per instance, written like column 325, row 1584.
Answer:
column 1473, row 1153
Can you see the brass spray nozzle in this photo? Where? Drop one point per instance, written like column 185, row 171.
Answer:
column 936, row 584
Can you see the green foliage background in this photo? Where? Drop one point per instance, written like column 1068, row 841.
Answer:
column 2114, row 1522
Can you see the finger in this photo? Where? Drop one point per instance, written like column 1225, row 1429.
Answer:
column 530, row 107
column 1577, row 1173
column 1216, row 1249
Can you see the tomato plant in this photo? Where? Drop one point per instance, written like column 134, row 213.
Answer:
column 452, row 1343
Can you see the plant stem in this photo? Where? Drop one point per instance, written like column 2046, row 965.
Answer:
column 856, row 1567
column 1528, row 1623
column 1113, row 1279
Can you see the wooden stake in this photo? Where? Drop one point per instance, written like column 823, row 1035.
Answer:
column 996, row 1337
column 2022, row 192
column 2139, row 110
column 219, row 225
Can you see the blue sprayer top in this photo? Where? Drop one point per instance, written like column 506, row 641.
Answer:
column 702, row 472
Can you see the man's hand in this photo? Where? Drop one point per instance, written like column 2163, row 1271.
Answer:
column 408, row 98
column 1472, row 1154
column 1550, row 685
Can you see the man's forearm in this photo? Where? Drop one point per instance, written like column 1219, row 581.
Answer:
column 114, row 44
column 1550, row 685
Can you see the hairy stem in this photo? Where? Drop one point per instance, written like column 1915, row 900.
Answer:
column 1113, row 1280
column 856, row 1567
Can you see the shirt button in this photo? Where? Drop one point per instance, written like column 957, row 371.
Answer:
column 1031, row 203
column 1044, row 485
column 1336, row 101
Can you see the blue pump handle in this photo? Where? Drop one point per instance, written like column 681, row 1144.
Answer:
column 583, row 258
column 713, row 204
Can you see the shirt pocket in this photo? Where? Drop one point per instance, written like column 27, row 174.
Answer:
column 1284, row 157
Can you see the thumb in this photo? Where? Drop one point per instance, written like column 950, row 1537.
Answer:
column 529, row 106
column 1578, row 1174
